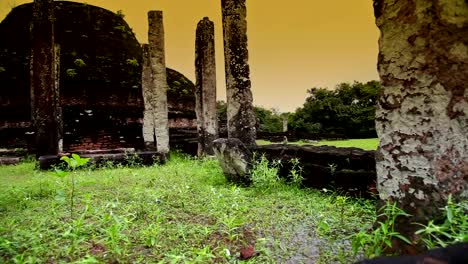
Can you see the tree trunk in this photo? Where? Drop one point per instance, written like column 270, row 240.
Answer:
column 422, row 116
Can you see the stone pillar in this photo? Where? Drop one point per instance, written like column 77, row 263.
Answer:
column 159, row 80
column 149, row 134
column 285, row 124
column 205, row 87
column 240, row 114
column 45, row 101
column 59, row 112
column 422, row 116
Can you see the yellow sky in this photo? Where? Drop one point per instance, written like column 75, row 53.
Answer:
column 293, row 45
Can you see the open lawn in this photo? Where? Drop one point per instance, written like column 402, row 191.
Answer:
column 367, row 143
column 180, row 212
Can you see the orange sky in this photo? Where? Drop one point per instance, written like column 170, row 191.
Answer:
column 293, row 45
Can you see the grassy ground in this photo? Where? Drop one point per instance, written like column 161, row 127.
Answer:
column 367, row 143
column 180, row 212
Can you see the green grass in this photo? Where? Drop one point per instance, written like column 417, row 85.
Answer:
column 367, row 143
column 180, row 212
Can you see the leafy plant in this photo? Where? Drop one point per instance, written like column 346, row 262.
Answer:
column 72, row 164
column 232, row 223
column 265, row 174
column 71, row 73
column 374, row 244
column 132, row 62
column 453, row 227
column 296, row 172
column 79, row 63
column 341, row 201
column 132, row 159
column 332, row 167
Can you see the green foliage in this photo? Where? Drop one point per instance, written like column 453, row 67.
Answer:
column 265, row 174
column 120, row 14
column 79, row 63
column 268, row 120
column 71, row 73
column 348, row 110
column 72, row 164
column 374, row 243
column 453, row 227
column 183, row 211
column 221, row 108
column 132, row 159
column 75, row 161
column 296, row 172
column 132, row 62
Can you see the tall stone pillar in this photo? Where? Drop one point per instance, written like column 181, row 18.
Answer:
column 159, row 80
column 45, row 100
column 422, row 116
column 149, row 134
column 205, row 87
column 59, row 109
column 240, row 114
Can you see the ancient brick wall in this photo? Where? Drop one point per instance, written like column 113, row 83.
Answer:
column 346, row 170
column 100, row 80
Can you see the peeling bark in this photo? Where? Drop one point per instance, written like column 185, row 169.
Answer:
column 422, row 116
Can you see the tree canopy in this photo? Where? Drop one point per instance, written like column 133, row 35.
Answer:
column 348, row 110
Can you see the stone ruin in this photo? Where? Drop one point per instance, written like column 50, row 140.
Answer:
column 422, row 111
column 205, row 93
column 421, row 117
column 100, row 89
column 240, row 115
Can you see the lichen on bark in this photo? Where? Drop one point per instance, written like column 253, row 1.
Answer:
column 423, row 109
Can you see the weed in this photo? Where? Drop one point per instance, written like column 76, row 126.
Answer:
column 265, row 174
column 183, row 211
column 72, row 164
column 132, row 159
column 231, row 224
column 296, row 172
column 79, row 63
column 453, row 227
column 132, row 62
column 332, row 167
column 374, row 244
column 71, row 73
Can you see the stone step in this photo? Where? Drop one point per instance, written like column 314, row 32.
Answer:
column 10, row 160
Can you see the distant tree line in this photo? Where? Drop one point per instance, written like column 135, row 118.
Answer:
column 348, row 110
column 268, row 120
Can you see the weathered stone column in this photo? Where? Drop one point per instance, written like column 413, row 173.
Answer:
column 149, row 134
column 205, row 87
column 159, row 79
column 59, row 110
column 240, row 114
column 45, row 100
column 422, row 116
